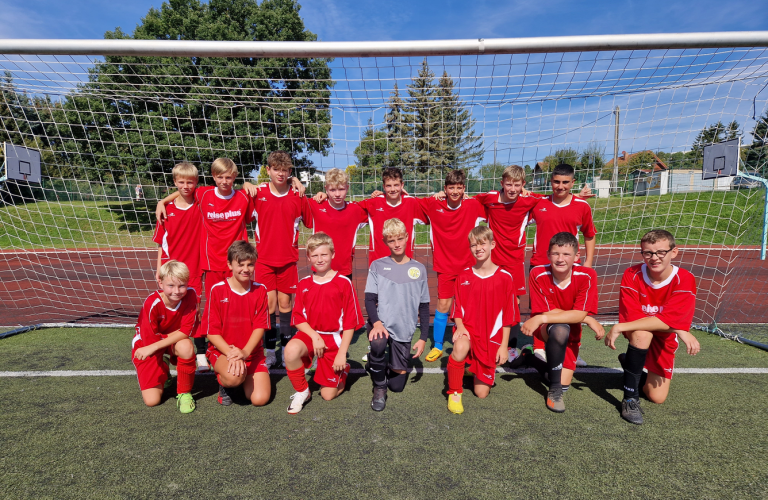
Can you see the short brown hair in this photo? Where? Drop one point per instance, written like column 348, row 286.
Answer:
column 184, row 169
column 336, row 177
column 456, row 177
column 279, row 160
column 658, row 235
column 240, row 251
column 513, row 173
column 480, row 234
column 223, row 166
column 317, row 240
column 564, row 239
column 392, row 173
column 174, row 269
column 392, row 228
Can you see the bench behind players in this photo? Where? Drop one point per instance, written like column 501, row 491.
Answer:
column 656, row 306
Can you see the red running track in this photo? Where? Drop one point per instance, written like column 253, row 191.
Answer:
column 103, row 286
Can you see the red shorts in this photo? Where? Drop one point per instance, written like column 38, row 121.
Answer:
column 213, row 277
column 483, row 373
column 255, row 363
column 518, row 276
column 571, row 350
column 324, row 375
column 446, row 285
column 661, row 354
column 153, row 371
column 196, row 283
column 283, row 279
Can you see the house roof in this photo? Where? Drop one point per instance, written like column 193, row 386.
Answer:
column 658, row 164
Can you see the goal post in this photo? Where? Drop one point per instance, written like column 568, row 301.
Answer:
column 632, row 113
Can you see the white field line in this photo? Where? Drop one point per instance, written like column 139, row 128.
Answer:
column 359, row 371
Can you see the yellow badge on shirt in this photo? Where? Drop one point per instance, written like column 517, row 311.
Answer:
column 414, row 273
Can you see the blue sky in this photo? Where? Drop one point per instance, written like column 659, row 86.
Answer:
column 651, row 122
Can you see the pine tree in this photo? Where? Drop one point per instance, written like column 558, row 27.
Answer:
column 460, row 147
column 399, row 132
column 424, row 106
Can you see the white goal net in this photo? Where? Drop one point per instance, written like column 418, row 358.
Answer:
column 77, row 247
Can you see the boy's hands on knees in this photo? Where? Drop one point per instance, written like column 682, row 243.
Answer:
column 532, row 324
column 143, row 353
column 319, row 347
column 691, row 342
column 419, row 348
column 460, row 332
column 320, row 197
column 250, row 189
column 340, row 361
column 236, row 367
column 235, row 353
column 613, row 334
column 595, row 326
column 378, row 331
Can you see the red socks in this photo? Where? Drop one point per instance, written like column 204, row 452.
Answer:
column 298, row 379
column 185, row 374
column 455, row 375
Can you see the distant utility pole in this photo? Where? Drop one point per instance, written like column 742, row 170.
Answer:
column 616, row 153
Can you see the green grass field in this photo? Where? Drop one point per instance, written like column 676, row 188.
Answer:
column 699, row 218
column 91, row 437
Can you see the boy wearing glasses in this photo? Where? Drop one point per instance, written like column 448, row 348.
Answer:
column 656, row 306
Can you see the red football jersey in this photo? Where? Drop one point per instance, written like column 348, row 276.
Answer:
column 508, row 221
column 329, row 307
column 235, row 316
column 485, row 305
column 580, row 294
column 551, row 219
column 673, row 301
column 448, row 231
column 277, row 225
column 379, row 211
column 224, row 221
column 156, row 320
column 342, row 225
column 180, row 236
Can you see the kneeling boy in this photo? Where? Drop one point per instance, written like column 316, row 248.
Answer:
column 562, row 295
column 656, row 306
column 166, row 321
column 396, row 295
column 235, row 317
column 326, row 315
column 484, row 302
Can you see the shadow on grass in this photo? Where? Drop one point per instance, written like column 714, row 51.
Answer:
column 136, row 216
column 599, row 384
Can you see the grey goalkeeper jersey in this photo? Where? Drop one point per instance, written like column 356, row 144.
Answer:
column 401, row 288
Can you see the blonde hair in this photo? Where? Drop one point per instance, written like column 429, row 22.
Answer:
column 174, row 269
column 393, row 228
column 513, row 173
column 279, row 160
column 184, row 169
column 317, row 240
column 481, row 234
column 223, row 166
column 336, row 177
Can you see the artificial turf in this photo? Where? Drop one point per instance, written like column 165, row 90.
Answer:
column 91, row 437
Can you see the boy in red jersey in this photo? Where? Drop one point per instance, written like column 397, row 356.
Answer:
column 450, row 220
column 561, row 298
column 393, row 204
column 484, row 306
column 339, row 219
column 277, row 210
column 235, row 317
column 166, row 321
column 326, row 315
column 656, row 306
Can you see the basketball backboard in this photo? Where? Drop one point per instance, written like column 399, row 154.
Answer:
column 721, row 159
column 22, row 164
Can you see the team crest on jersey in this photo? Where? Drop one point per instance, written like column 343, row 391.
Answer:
column 379, row 209
column 414, row 273
column 172, row 214
column 465, row 283
column 323, row 210
column 543, row 209
column 305, row 290
column 225, row 299
column 440, row 210
column 263, row 198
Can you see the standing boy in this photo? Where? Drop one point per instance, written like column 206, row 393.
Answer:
column 278, row 210
column 656, row 306
column 326, row 314
column 484, row 307
column 166, row 321
column 561, row 298
column 450, row 220
column 236, row 315
column 396, row 295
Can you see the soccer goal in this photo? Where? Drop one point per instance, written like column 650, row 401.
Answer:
column 108, row 119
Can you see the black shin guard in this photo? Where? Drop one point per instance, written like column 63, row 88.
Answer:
column 555, row 349
column 633, row 370
column 286, row 332
column 514, row 331
column 396, row 381
column 270, row 336
column 377, row 364
column 200, row 346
